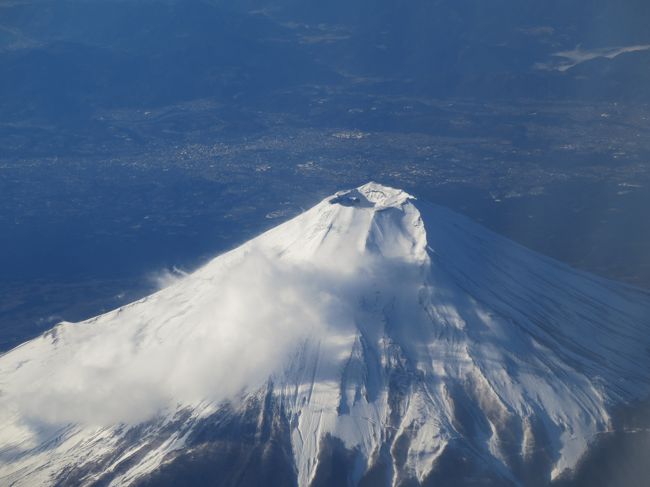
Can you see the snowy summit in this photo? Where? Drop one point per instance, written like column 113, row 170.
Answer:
column 375, row 339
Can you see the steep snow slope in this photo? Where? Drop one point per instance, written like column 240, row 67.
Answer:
column 390, row 337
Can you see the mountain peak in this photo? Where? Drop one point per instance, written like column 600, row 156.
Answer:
column 351, row 225
column 372, row 195
column 399, row 336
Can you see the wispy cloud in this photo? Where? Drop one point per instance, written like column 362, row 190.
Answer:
column 166, row 277
column 565, row 60
column 207, row 336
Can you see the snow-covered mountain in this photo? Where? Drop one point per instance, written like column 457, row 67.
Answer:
column 373, row 340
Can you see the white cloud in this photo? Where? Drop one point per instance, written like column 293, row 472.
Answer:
column 206, row 337
column 571, row 58
column 166, row 277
